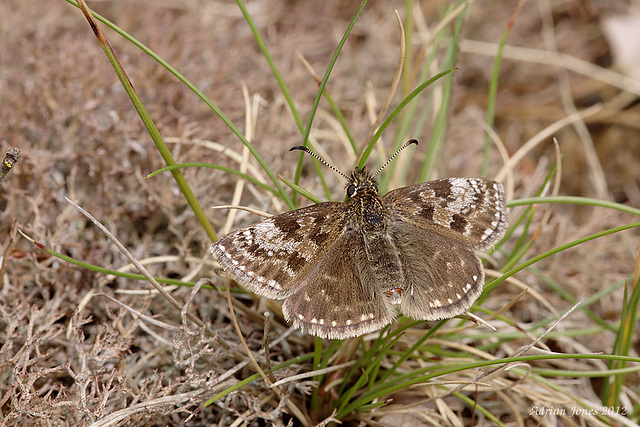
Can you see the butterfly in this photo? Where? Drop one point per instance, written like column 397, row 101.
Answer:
column 342, row 268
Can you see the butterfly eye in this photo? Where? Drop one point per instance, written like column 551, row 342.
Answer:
column 351, row 190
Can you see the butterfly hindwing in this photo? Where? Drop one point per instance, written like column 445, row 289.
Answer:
column 466, row 210
column 339, row 298
column 269, row 257
column 442, row 278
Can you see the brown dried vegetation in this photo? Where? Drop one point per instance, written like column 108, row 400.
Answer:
column 77, row 346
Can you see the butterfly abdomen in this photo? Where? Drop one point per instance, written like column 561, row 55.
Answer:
column 384, row 261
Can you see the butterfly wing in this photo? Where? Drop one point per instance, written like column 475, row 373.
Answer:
column 468, row 210
column 435, row 227
column 270, row 257
column 442, row 277
column 339, row 298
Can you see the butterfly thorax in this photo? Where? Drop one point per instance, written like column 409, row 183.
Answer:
column 367, row 210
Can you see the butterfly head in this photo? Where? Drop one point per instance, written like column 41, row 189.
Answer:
column 360, row 182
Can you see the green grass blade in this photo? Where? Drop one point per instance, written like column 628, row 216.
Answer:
column 132, row 276
column 493, row 89
column 202, row 96
column 523, row 245
column 495, row 282
column 575, row 200
column 559, row 290
column 302, row 191
column 363, row 360
column 323, row 84
column 255, row 377
column 148, row 123
column 416, row 377
column 395, row 112
column 244, row 176
column 412, row 350
column 440, row 126
column 623, row 343
column 472, row 404
column 274, row 70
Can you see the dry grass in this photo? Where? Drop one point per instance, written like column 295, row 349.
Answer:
column 77, row 346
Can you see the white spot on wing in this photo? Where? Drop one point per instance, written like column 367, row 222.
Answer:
column 274, row 284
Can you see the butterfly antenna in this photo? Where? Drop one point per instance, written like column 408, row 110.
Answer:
column 320, row 159
column 406, row 144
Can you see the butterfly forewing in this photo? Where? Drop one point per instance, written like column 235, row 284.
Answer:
column 270, row 257
column 338, row 298
column 467, row 210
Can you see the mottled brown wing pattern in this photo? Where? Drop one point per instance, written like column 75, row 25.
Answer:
column 339, row 297
column 436, row 226
column 270, row 257
column 341, row 267
column 467, row 210
column 442, row 277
